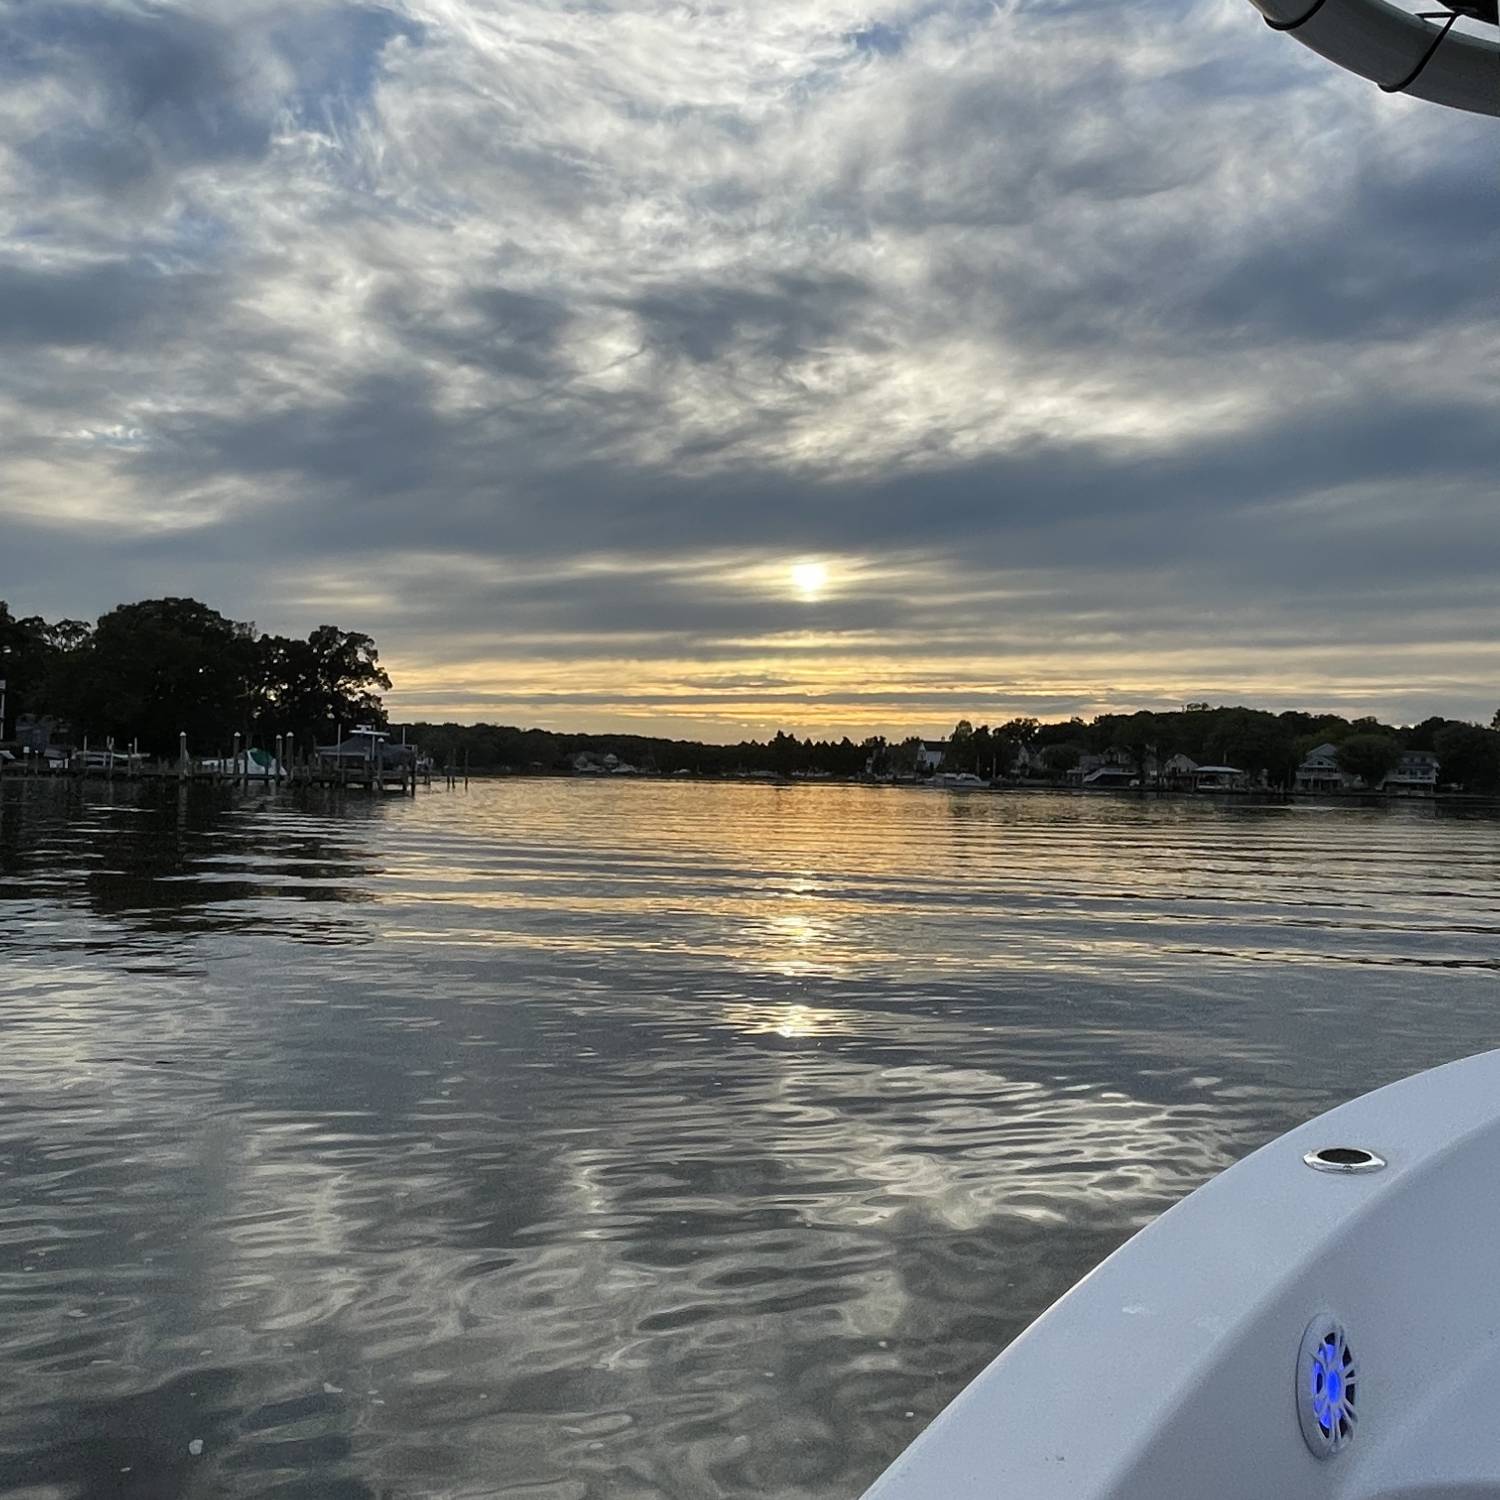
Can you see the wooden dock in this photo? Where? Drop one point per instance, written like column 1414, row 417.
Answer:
column 369, row 778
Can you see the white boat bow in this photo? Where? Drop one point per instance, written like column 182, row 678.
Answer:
column 1288, row 1331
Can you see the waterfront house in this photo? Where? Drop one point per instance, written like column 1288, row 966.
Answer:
column 1319, row 772
column 1028, row 761
column 1180, row 772
column 930, row 755
column 1115, row 767
column 1089, row 762
column 1416, row 775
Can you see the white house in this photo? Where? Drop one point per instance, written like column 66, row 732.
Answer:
column 1319, row 772
column 1416, row 774
column 930, row 756
column 591, row 763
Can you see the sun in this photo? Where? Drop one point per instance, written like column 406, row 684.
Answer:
column 810, row 579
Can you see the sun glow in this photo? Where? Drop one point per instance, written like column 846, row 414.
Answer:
column 810, row 579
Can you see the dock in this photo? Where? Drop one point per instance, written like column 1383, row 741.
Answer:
column 405, row 779
column 363, row 760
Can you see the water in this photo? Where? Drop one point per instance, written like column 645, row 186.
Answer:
column 569, row 1140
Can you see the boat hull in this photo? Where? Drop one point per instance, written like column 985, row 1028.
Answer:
column 1178, row 1369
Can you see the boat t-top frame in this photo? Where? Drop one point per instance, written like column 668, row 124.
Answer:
column 1404, row 52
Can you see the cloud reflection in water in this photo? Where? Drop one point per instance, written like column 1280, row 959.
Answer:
column 599, row 1140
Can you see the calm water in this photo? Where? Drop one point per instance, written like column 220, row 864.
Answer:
column 565, row 1140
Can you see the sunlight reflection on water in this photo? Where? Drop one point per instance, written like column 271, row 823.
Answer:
column 586, row 1139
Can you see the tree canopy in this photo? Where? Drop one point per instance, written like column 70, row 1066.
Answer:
column 1469, row 756
column 151, row 670
column 1371, row 757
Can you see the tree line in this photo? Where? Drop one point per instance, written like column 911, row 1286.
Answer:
column 506, row 747
column 1256, row 741
column 149, row 671
column 1253, row 740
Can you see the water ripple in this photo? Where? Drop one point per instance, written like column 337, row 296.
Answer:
column 574, row 1140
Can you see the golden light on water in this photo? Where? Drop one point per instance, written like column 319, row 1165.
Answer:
column 810, row 579
column 794, row 1022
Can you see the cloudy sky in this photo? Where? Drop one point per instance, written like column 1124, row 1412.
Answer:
column 708, row 367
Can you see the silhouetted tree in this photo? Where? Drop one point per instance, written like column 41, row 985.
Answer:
column 1060, row 758
column 313, row 687
column 982, row 755
column 159, row 666
column 786, row 753
column 1422, row 736
column 1371, row 757
column 23, row 663
column 903, row 757
column 162, row 666
column 1255, row 742
column 960, row 754
column 1139, row 736
column 1469, row 756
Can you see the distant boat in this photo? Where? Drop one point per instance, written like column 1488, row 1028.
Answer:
column 1319, row 1320
column 108, row 760
column 1111, row 776
column 958, row 781
column 251, row 765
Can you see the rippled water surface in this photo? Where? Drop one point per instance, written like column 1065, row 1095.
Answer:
column 574, row 1139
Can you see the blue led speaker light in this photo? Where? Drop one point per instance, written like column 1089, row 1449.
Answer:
column 1327, row 1387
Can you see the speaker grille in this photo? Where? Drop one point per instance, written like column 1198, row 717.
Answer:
column 1327, row 1387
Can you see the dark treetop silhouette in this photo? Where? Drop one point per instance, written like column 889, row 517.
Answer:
column 151, row 670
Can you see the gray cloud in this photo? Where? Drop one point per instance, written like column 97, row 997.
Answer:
column 784, row 320
column 1067, row 333
column 110, row 303
column 145, row 82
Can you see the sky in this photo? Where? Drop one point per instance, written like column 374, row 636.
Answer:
column 710, row 368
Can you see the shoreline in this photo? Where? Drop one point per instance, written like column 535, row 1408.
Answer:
column 1254, row 796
